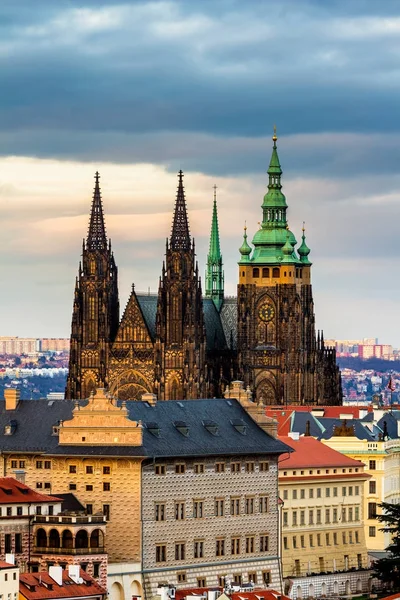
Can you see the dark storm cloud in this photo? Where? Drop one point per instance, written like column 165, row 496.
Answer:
column 93, row 82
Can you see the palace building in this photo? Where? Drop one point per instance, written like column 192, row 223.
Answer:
column 181, row 344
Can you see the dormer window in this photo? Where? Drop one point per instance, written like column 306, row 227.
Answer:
column 211, row 426
column 239, row 425
column 182, row 427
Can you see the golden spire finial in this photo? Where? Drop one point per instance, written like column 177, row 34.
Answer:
column 274, row 137
column 245, row 226
column 304, row 226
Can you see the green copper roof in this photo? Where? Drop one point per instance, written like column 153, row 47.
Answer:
column 214, row 271
column 304, row 250
column 273, row 243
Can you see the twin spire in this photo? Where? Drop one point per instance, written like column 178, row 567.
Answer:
column 96, row 237
column 180, row 235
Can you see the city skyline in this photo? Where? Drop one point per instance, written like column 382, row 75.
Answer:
column 139, row 90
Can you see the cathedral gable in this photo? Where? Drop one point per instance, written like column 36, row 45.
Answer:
column 133, row 327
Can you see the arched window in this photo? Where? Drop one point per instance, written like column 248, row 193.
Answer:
column 81, row 540
column 256, row 272
column 41, row 538
column 284, row 274
column 275, row 272
column 265, row 272
column 96, row 539
column 67, row 541
column 54, row 539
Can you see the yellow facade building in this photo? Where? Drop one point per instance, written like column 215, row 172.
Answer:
column 374, row 455
column 323, row 509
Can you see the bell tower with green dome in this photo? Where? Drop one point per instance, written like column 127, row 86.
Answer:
column 279, row 357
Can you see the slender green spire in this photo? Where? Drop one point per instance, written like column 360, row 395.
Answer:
column 304, row 250
column 214, row 270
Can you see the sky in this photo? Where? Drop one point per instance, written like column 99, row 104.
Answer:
column 138, row 90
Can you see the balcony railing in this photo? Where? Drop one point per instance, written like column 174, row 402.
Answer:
column 69, row 551
column 81, row 519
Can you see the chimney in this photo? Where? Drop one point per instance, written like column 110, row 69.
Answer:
column 308, row 429
column 55, row 573
column 11, row 396
column 74, row 573
column 149, row 398
column 10, row 559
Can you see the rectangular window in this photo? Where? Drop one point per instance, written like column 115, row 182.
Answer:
column 249, row 544
column 249, row 467
column 220, row 547
column 343, row 515
column 72, row 486
column 38, row 510
column 235, row 467
column 327, row 539
column 252, row 577
column 220, row 467
column 106, row 486
column 350, row 514
column 72, row 468
column 51, row 510
column 89, row 470
column 249, row 506
column 14, row 464
column 266, row 577
column 335, row 538
column 96, row 570
column 311, row 517
column 285, row 518
column 235, row 545
column 294, row 494
column 371, row 510
column 302, row 541
column 311, row 541
column 319, row 516
column 180, row 468
column 181, row 577
column 350, row 537
column 47, row 485
column 372, row 487
column 106, row 511
column 357, row 537
column 294, row 518
column 106, row 470
column 219, row 507
column 356, row 513
column 39, row 486
column 264, row 543
column 350, row 490
column 344, row 539
column 159, row 511
column 311, row 493
column 179, row 511
column 372, row 531
column 302, row 494
column 47, row 464
column 235, row 506
column 39, row 464
column 180, row 551
column 201, row 582
column 294, row 542
column 319, row 539
column 335, row 492
column 18, row 543
column 372, row 465
column 285, row 494
column 89, row 488
column 198, row 549
column 285, row 543
column 19, row 511
column 9, row 511
column 161, row 552
column 22, row 464
column 302, row 517
column 89, row 509
column 319, row 493
column 263, row 504
column 334, row 511
column 344, row 490
column 327, row 492
column 263, row 466
column 327, row 515
column 159, row 469
column 7, row 543
column 198, row 509
column 357, row 490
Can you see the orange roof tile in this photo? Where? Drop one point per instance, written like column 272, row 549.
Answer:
column 13, row 491
column 69, row 589
column 6, row 565
column 309, row 452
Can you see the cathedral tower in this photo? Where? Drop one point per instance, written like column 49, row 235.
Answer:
column 95, row 313
column 214, row 269
column 180, row 346
column 278, row 356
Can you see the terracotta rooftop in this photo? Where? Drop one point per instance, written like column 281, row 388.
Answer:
column 6, row 565
column 256, row 594
column 13, row 491
column 39, row 582
column 309, row 452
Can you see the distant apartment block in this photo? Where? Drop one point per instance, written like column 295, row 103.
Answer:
column 54, row 344
column 17, row 345
column 384, row 351
column 365, row 348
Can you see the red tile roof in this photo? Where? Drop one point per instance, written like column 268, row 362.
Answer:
column 182, row 593
column 309, row 452
column 267, row 594
column 69, row 589
column 6, row 565
column 13, row 491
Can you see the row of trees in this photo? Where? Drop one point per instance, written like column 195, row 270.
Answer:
column 387, row 569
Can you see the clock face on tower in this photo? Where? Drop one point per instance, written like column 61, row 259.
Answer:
column 266, row 312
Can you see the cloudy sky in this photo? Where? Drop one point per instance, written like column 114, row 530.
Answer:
column 141, row 89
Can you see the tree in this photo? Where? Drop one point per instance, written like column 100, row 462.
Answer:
column 388, row 569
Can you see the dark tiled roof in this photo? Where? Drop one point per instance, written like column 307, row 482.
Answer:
column 70, row 503
column 299, row 424
column 360, row 431
column 229, row 321
column 391, row 424
column 35, row 420
column 148, row 304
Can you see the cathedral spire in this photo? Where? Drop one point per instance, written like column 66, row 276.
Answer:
column 214, row 270
column 97, row 237
column 180, row 236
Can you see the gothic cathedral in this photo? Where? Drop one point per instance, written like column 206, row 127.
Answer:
column 179, row 344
